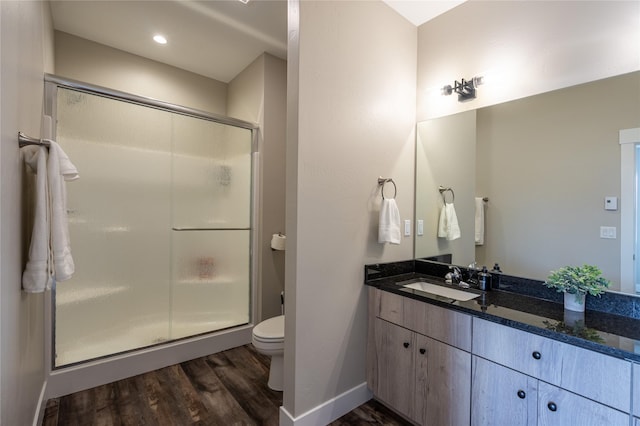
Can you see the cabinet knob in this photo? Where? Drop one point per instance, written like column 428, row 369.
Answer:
column 423, row 351
column 521, row 394
column 552, row 406
column 536, row 355
column 405, row 344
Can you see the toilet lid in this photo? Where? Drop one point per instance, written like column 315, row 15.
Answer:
column 273, row 328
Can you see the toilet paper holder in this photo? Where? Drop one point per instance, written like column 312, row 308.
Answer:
column 278, row 241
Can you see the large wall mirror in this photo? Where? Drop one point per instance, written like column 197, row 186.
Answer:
column 546, row 164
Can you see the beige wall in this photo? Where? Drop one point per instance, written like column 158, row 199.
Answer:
column 546, row 163
column 258, row 94
column 27, row 52
column 525, row 47
column 83, row 60
column 354, row 86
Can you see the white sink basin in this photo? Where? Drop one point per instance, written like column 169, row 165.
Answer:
column 438, row 290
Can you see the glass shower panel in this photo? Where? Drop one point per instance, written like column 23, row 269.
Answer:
column 211, row 205
column 210, row 281
column 211, row 175
column 119, row 223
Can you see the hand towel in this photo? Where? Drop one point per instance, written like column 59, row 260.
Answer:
column 37, row 274
column 448, row 225
column 389, row 225
column 479, row 221
column 60, row 169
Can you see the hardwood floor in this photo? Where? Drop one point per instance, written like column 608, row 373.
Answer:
column 227, row 388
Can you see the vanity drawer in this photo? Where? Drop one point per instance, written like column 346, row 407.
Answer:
column 445, row 325
column 596, row 376
column 636, row 392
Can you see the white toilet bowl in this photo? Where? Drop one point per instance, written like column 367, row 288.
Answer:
column 268, row 339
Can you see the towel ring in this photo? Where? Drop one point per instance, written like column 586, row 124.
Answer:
column 382, row 181
column 442, row 190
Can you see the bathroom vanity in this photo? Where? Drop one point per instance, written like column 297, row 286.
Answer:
column 502, row 358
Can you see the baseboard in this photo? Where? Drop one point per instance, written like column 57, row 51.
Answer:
column 330, row 410
column 42, row 405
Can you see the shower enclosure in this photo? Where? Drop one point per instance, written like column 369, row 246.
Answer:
column 160, row 222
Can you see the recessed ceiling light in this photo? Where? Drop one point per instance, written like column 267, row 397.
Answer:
column 244, row 1
column 159, row 39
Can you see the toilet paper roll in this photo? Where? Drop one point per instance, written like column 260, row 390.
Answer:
column 278, row 242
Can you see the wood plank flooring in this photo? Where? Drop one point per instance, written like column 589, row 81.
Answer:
column 227, row 388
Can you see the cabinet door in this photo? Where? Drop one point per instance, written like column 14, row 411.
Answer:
column 501, row 396
column 560, row 407
column 393, row 363
column 443, row 384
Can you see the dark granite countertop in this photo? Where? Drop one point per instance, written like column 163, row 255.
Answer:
column 608, row 326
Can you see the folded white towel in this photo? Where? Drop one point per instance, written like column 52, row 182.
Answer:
column 60, row 169
column 37, row 274
column 49, row 251
column 479, row 221
column 448, row 225
column 389, row 226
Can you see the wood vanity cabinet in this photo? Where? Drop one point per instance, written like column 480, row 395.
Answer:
column 421, row 376
column 542, row 382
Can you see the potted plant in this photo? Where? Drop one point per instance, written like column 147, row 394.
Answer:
column 575, row 282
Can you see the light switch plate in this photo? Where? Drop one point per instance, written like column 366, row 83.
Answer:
column 608, row 232
column 420, row 227
column 407, row 228
column 611, row 203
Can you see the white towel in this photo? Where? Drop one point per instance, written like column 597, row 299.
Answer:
column 479, row 221
column 37, row 274
column 448, row 225
column 389, row 226
column 60, row 169
column 50, row 250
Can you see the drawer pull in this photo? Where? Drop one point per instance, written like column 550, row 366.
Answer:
column 536, row 355
column 552, row 406
column 405, row 344
column 521, row 394
column 423, row 351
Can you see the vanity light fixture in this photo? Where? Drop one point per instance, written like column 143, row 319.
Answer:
column 466, row 89
column 160, row 39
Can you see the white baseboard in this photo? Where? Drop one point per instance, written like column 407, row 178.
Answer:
column 330, row 410
column 40, row 408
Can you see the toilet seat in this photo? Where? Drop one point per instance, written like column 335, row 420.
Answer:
column 270, row 330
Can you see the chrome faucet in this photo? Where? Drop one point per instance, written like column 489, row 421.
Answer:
column 454, row 277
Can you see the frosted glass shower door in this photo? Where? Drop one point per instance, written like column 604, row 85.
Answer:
column 119, row 220
column 211, row 226
column 160, row 226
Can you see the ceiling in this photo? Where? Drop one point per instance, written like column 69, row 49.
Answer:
column 214, row 38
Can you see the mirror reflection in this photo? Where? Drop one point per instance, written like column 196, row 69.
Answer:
column 546, row 164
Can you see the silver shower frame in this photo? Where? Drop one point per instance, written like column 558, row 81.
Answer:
column 68, row 379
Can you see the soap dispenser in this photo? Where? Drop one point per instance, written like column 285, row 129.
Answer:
column 484, row 279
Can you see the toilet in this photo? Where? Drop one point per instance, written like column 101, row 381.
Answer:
column 268, row 339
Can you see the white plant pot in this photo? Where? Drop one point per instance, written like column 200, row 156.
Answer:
column 574, row 302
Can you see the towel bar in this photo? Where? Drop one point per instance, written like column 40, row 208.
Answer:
column 24, row 140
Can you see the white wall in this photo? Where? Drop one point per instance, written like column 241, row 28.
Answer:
column 523, row 48
column 83, row 60
column 27, row 52
column 352, row 75
column 258, row 94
